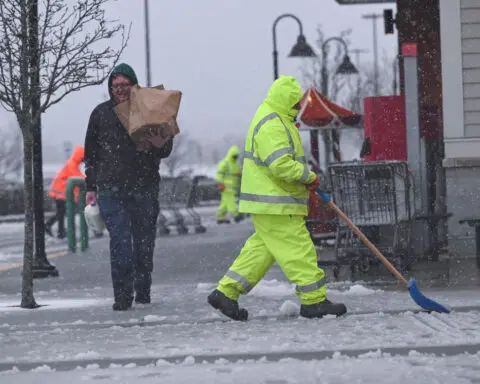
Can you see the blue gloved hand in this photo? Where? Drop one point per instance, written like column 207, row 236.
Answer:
column 325, row 196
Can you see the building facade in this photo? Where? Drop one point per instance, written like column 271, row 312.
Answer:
column 460, row 51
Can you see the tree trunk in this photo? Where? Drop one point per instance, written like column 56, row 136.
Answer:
column 28, row 301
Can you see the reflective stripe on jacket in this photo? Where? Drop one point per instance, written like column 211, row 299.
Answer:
column 275, row 170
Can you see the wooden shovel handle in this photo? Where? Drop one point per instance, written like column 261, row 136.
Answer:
column 368, row 243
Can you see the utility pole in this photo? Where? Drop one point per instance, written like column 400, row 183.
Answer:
column 357, row 52
column 374, row 17
column 147, row 44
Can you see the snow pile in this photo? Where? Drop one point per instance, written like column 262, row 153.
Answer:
column 289, row 309
column 357, row 290
column 272, row 288
column 205, row 287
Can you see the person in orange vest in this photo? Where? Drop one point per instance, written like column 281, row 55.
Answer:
column 58, row 190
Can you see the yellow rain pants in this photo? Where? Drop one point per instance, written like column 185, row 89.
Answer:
column 228, row 204
column 286, row 240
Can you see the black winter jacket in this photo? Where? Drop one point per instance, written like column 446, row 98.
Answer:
column 112, row 161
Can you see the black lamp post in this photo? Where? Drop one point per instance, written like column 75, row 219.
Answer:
column 41, row 265
column 345, row 68
column 300, row 49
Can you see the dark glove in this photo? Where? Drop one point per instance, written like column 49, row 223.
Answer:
column 313, row 203
column 314, row 184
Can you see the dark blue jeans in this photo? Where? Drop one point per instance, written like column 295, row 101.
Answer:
column 131, row 222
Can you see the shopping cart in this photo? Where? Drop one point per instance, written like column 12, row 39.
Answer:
column 378, row 198
column 179, row 194
column 192, row 200
column 171, row 200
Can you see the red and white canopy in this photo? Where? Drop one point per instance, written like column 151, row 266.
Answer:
column 318, row 112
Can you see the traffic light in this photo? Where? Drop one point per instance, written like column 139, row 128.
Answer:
column 388, row 21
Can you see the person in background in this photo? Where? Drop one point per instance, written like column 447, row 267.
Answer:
column 228, row 178
column 276, row 183
column 58, row 190
column 125, row 181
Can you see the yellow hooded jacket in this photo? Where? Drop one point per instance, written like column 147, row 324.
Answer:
column 275, row 170
column 229, row 171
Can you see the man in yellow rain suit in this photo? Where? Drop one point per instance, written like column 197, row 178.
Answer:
column 275, row 188
column 228, row 179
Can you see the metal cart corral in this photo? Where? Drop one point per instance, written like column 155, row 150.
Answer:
column 378, row 198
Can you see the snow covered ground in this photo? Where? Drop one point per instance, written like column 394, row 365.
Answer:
column 379, row 367
column 381, row 339
column 75, row 336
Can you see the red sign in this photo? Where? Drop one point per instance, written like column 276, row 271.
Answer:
column 409, row 49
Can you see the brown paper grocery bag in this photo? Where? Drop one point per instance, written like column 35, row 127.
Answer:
column 150, row 112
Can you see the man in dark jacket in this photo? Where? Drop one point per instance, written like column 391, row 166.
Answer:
column 125, row 180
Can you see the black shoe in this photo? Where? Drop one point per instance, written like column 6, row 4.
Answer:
column 142, row 298
column 223, row 221
column 238, row 218
column 326, row 307
column 227, row 306
column 122, row 304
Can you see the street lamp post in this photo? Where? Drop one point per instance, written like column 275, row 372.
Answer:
column 162, row 220
column 300, row 49
column 41, row 266
column 345, row 68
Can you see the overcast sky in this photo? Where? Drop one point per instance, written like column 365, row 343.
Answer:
column 219, row 53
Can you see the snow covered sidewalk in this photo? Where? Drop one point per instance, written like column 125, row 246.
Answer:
column 180, row 339
column 415, row 368
column 180, row 324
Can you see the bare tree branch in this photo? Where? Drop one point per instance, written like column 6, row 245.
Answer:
column 75, row 50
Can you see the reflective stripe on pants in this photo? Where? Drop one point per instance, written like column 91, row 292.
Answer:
column 286, row 240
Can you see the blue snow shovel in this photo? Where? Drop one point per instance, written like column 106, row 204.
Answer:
column 417, row 296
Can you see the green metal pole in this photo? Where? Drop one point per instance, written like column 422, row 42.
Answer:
column 72, row 241
column 83, row 223
column 73, row 182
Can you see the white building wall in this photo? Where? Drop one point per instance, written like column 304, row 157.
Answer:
column 460, row 45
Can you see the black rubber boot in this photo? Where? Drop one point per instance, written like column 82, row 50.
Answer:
column 123, row 303
column 142, row 298
column 326, row 307
column 227, row 306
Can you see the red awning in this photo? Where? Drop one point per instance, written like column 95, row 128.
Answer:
column 319, row 112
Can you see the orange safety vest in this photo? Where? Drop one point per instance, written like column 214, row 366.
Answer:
column 58, row 188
